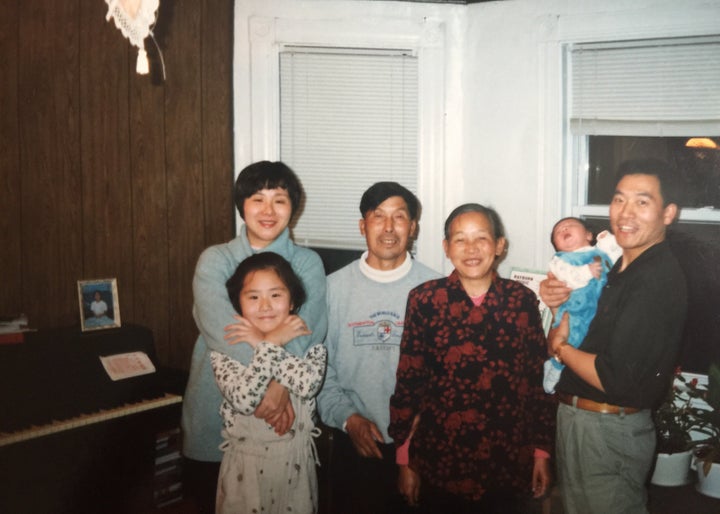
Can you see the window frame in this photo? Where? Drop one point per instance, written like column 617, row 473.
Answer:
column 376, row 138
column 580, row 142
column 564, row 156
column 425, row 37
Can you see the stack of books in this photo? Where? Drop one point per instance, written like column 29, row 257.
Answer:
column 167, row 485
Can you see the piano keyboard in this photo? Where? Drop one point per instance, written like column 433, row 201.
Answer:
column 88, row 419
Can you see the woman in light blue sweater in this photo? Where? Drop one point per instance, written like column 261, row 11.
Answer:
column 267, row 195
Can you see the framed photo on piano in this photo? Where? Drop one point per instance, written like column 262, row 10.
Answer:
column 99, row 305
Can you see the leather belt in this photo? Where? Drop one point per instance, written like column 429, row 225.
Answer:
column 602, row 408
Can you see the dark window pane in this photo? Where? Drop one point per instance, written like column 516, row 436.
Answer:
column 334, row 259
column 699, row 166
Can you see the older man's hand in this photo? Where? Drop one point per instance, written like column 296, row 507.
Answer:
column 364, row 435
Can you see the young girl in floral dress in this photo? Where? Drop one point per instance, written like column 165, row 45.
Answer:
column 262, row 471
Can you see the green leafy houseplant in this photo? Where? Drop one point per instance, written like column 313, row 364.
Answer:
column 675, row 417
column 706, row 422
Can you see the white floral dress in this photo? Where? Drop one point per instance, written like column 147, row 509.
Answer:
column 262, row 472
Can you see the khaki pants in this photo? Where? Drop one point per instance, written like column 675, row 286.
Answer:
column 603, row 460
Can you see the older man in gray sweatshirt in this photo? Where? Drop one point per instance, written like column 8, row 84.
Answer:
column 366, row 309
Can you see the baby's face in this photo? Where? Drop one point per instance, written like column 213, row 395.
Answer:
column 569, row 235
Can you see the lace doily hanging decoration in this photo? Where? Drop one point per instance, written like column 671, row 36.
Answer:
column 135, row 19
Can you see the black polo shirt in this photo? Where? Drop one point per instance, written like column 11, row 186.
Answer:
column 636, row 332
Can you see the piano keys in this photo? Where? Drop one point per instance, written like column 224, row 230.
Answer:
column 55, row 426
column 71, row 439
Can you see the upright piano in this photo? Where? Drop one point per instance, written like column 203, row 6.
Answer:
column 72, row 440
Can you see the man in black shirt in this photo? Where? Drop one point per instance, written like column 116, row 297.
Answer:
column 605, row 434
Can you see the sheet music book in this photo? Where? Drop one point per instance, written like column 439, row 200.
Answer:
column 127, row 365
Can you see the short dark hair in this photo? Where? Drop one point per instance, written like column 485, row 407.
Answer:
column 584, row 223
column 381, row 191
column 493, row 217
column 266, row 261
column 267, row 175
column 667, row 175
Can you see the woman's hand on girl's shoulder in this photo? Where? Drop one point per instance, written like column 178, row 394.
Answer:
column 243, row 332
column 292, row 327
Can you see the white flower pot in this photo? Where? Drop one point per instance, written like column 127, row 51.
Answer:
column 709, row 484
column 672, row 469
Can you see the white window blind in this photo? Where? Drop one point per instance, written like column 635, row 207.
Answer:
column 660, row 87
column 348, row 118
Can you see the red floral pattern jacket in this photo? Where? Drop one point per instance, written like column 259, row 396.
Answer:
column 474, row 374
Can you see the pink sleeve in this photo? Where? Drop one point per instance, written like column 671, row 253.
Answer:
column 539, row 454
column 402, row 454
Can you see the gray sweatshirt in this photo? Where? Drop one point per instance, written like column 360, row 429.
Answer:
column 365, row 323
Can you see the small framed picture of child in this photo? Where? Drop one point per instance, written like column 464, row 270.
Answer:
column 99, row 306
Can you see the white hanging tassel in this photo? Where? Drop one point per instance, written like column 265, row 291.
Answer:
column 142, row 67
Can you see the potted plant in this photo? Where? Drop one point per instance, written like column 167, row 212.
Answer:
column 707, row 425
column 674, row 419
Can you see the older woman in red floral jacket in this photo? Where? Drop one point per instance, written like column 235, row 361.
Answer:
column 470, row 370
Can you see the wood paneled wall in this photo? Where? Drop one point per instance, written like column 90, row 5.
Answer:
column 106, row 173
